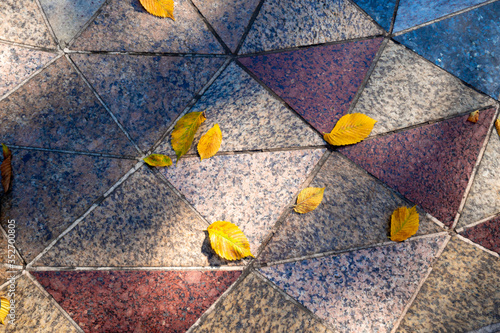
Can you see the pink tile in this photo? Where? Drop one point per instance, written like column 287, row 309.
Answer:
column 486, row 234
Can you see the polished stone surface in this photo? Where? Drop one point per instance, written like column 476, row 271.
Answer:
column 486, row 234
column 381, row 11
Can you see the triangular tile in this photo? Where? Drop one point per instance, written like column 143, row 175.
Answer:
column 381, row 11
column 124, row 25
column 229, row 18
column 430, row 165
column 355, row 212
column 486, row 234
column 56, row 109
column 460, row 295
column 360, row 291
column 51, row 190
column 318, row 82
column 469, row 54
column 142, row 223
column 405, row 90
column 415, row 12
column 146, row 93
column 22, row 22
column 18, row 63
column 68, row 17
column 250, row 190
column 136, row 301
column 255, row 306
column 307, row 23
column 10, row 262
column 265, row 123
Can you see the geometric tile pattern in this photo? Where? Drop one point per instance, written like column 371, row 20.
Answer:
column 486, row 234
column 381, row 11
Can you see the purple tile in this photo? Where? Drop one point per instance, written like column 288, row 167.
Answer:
column 318, row 82
column 360, row 291
column 430, row 165
column 124, row 25
column 56, row 109
column 486, row 234
column 146, row 93
column 136, row 301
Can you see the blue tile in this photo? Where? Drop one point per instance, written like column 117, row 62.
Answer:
column 380, row 11
column 466, row 45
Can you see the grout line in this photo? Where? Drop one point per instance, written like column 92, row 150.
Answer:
column 466, row 240
column 436, row 221
column 28, row 46
column 12, row 278
column 85, row 214
column 468, row 226
column 86, row 25
column 148, row 54
column 48, row 25
column 249, row 26
column 367, row 16
column 394, row 15
column 62, row 151
column 23, row 261
column 132, row 268
column 52, row 300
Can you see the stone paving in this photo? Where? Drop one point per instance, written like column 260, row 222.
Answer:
column 106, row 243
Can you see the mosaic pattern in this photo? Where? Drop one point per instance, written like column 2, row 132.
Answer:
column 381, row 11
column 486, row 234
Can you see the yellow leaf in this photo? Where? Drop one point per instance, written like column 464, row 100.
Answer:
column 161, row 8
column 184, row 131
column 158, row 160
column 228, row 241
column 4, row 309
column 6, row 168
column 308, row 199
column 404, row 223
column 210, row 142
column 350, row 129
column 497, row 126
column 473, row 116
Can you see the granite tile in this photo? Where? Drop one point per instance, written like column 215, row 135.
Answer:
column 50, row 190
column 255, row 306
column 486, row 234
column 249, row 190
column 318, row 82
column 18, row 63
column 36, row 312
column 461, row 294
column 356, row 211
column 483, row 199
column 136, row 301
column 463, row 45
column 146, row 93
column 360, row 291
column 56, row 109
column 288, row 23
column 229, row 18
column 412, row 13
column 249, row 116
column 22, row 22
column 68, row 17
column 124, row 25
column 10, row 262
column 405, row 90
column 142, row 223
column 380, row 11
column 430, row 165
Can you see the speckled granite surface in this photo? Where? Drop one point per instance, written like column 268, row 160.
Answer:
column 249, row 190
column 124, row 25
column 460, row 295
column 57, row 110
column 132, row 301
column 17, row 64
column 287, row 23
column 135, row 88
column 405, row 90
column 255, row 306
column 465, row 45
column 486, row 234
column 380, row 11
column 356, row 211
column 360, row 291
column 430, row 165
column 318, row 82
column 22, row 22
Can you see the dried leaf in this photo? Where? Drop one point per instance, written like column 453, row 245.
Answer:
column 6, row 168
column 497, row 126
column 228, row 241
column 473, row 116
column 210, row 142
column 404, row 223
column 184, row 131
column 350, row 129
column 4, row 309
column 309, row 199
column 158, row 160
column 161, row 8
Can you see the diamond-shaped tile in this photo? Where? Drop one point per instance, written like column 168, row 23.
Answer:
column 486, row 234
column 318, row 82
column 360, row 291
column 381, row 11
column 430, row 165
column 288, row 23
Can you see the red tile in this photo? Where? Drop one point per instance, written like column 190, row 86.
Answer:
column 486, row 234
